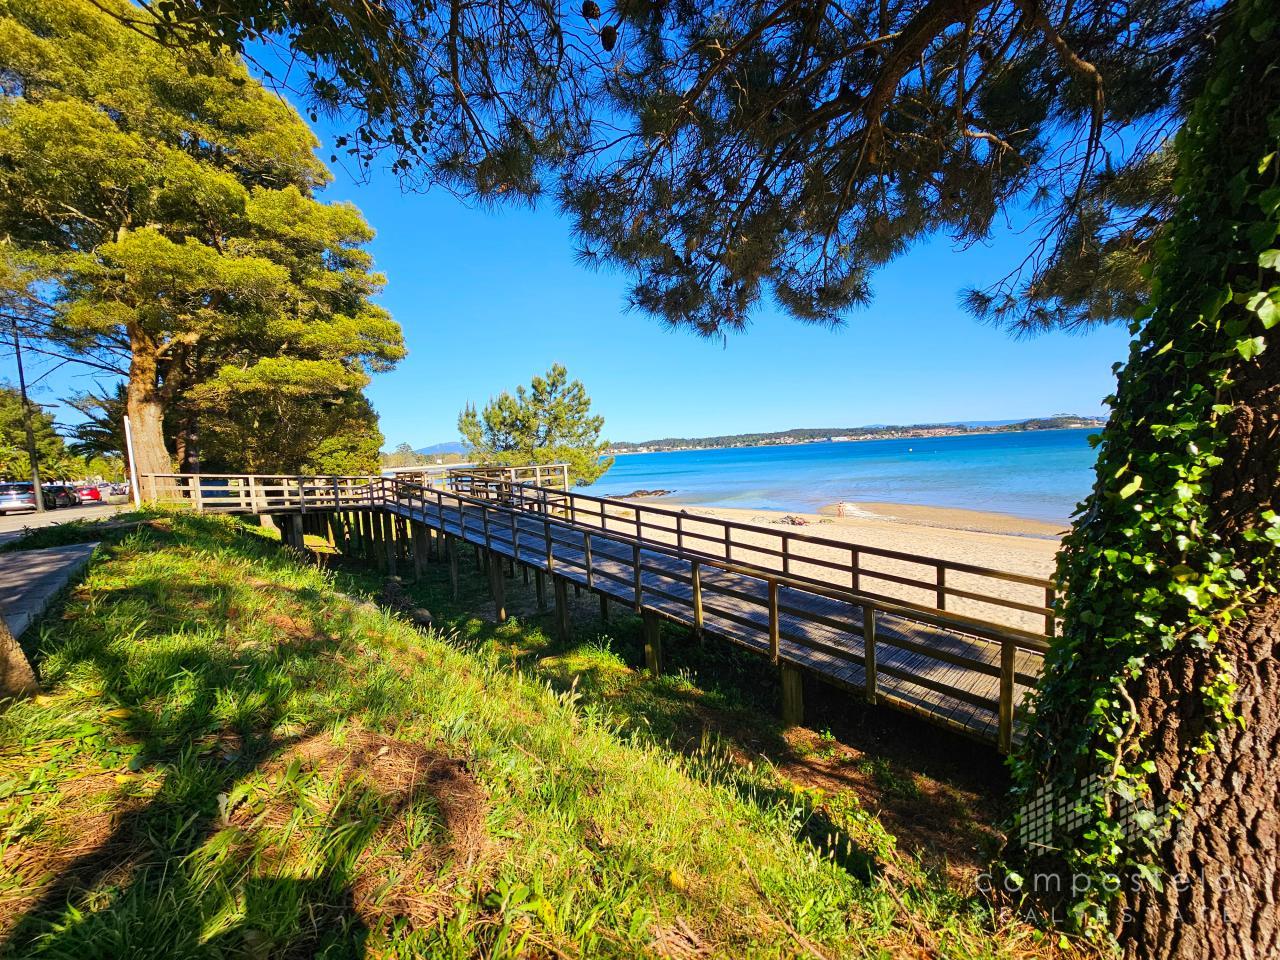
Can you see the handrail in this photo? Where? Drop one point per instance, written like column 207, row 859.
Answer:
column 548, row 501
column 856, row 551
column 555, row 474
column 957, row 622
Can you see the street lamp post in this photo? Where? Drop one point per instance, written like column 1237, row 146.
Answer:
column 32, row 453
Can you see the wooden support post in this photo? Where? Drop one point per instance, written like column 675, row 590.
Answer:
column 419, row 549
column 343, row 530
column 792, row 695
column 652, row 642
column 451, row 548
column 1008, row 663
column 564, row 627
column 540, row 588
column 869, row 651
column 392, row 543
column 378, row 540
column 497, row 588
column 297, row 537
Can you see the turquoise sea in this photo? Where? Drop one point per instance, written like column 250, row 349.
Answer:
column 1040, row 475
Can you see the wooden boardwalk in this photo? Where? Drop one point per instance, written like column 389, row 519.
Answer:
column 964, row 673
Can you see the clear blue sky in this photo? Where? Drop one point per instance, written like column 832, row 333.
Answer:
column 488, row 298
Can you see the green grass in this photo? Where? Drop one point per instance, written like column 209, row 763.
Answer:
column 77, row 531
column 238, row 755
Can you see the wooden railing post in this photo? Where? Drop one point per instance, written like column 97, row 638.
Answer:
column 942, row 586
column 1008, row 662
column 546, row 536
column 1050, row 597
column 697, row 597
column 774, row 638
column 196, row 500
column 302, row 499
column 786, row 554
column 586, row 553
column 680, row 533
column 639, row 585
column 869, row 650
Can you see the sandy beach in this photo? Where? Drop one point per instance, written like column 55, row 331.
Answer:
column 991, row 540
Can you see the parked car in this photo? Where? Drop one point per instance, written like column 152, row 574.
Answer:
column 63, row 495
column 88, row 493
column 15, row 496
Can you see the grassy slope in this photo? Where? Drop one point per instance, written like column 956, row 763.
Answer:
column 157, row 801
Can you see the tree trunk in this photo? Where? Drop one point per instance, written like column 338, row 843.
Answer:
column 1149, row 773
column 146, row 411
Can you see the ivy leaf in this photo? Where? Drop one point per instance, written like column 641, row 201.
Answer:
column 1130, row 488
column 1269, row 259
column 1251, row 347
column 1266, row 304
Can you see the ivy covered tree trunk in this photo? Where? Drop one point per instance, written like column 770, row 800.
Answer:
column 145, row 409
column 1148, row 782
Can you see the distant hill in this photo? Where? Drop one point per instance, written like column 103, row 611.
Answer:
column 438, row 448
column 1060, row 421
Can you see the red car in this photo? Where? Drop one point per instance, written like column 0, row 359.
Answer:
column 88, row 493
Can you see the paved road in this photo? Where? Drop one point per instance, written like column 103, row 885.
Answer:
column 12, row 525
column 30, row 579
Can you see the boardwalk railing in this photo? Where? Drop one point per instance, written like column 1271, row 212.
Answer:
column 482, row 480
column 933, row 584
column 961, row 670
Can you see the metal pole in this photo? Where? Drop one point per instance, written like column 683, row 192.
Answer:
column 32, row 453
column 133, row 467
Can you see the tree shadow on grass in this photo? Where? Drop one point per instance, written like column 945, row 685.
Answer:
column 127, row 884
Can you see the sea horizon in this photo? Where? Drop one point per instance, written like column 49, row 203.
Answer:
column 1035, row 474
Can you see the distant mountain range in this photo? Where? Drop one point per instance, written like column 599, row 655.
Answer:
column 1061, row 421
column 437, row 448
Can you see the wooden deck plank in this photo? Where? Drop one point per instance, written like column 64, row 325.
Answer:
column 736, row 607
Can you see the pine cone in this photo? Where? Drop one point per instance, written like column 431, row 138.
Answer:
column 591, row 9
column 608, row 37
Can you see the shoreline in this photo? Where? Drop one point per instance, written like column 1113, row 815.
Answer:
column 853, row 512
column 985, row 432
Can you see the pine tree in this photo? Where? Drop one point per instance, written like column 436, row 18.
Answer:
column 550, row 422
column 163, row 202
